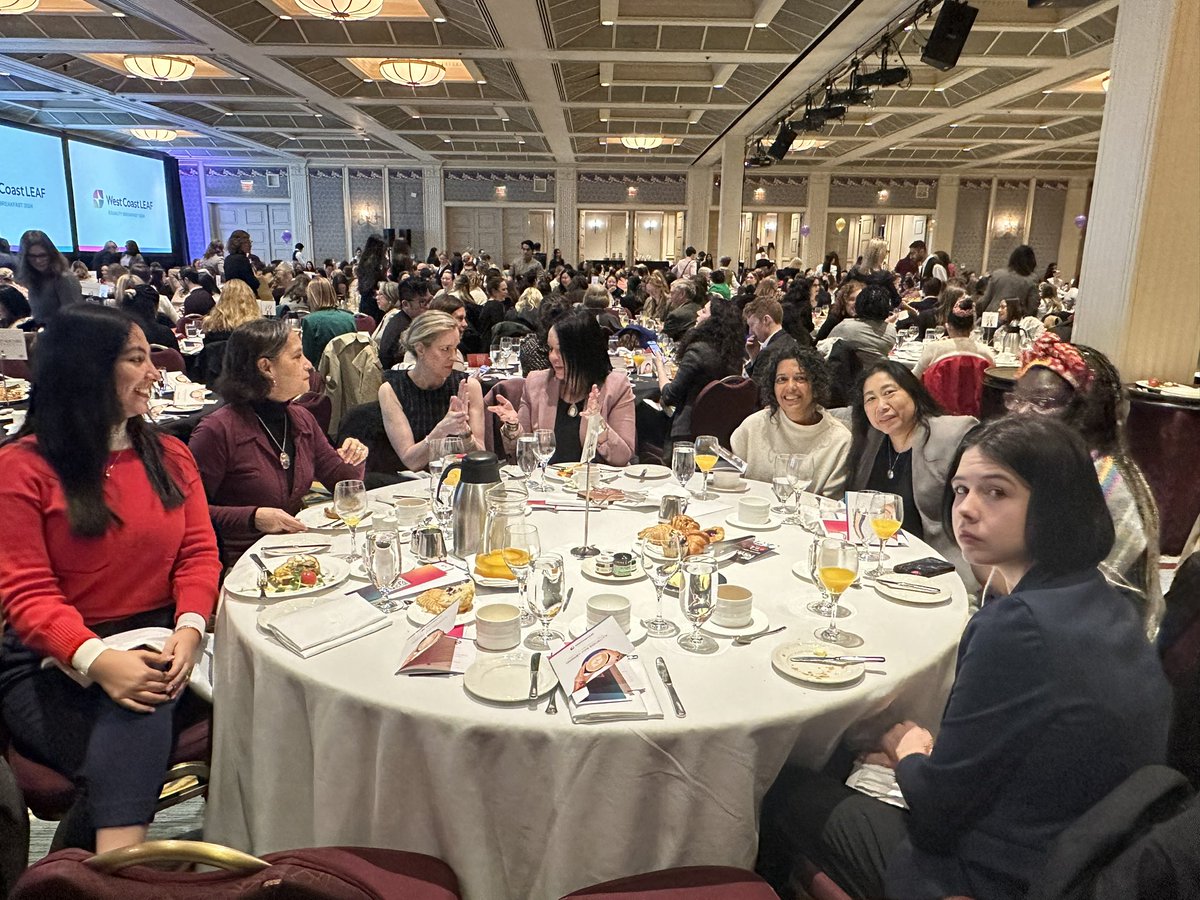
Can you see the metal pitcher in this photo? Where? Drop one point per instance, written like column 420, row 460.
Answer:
column 478, row 472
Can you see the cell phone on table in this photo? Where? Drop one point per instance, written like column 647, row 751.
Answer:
column 926, row 568
column 653, row 347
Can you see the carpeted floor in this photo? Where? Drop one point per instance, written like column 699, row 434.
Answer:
column 183, row 821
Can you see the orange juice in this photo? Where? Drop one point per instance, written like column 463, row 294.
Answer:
column 885, row 528
column 515, row 558
column 836, row 579
column 453, row 477
column 705, row 461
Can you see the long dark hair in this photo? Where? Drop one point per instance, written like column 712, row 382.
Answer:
column 584, row 350
column 27, row 274
column 723, row 330
column 240, row 380
column 372, row 265
column 860, row 426
column 1022, row 260
column 74, row 409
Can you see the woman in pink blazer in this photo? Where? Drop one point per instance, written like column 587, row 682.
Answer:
column 579, row 383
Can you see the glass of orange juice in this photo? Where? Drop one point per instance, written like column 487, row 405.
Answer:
column 886, row 514
column 706, row 461
column 837, row 568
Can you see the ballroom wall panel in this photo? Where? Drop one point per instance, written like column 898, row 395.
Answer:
column 366, row 204
column 328, row 214
column 405, row 196
column 971, row 223
column 1045, row 232
column 193, row 211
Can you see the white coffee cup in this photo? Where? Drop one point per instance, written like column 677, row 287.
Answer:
column 497, row 626
column 726, row 479
column 602, row 606
column 410, row 510
column 735, row 606
column 754, row 510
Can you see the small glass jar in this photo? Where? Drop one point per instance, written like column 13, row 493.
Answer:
column 623, row 565
column 604, row 564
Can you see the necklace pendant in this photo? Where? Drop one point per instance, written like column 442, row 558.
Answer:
column 285, row 460
column 573, row 411
column 891, row 474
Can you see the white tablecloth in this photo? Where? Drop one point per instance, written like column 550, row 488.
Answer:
column 337, row 750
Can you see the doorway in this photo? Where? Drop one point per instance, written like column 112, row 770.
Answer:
column 264, row 222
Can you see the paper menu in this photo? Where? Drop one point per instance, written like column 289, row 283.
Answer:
column 604, row 677
column 751, row 549
column 430, row 650
column 424, row 578
column 591, row 439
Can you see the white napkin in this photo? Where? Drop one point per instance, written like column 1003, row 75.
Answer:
column 339, row 620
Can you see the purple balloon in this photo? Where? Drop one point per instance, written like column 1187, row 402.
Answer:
column 286, row 237
column 805, row 231
column 1080, row 221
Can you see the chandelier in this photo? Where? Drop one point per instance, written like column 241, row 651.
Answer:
column 344, row 10
column 414, row 73
column 159, row 68
column 161, row 135
column 641, row 141
column 17, row 7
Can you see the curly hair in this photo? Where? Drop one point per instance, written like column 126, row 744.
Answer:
column 239, row 242
column 723, row 330
column 807, row 358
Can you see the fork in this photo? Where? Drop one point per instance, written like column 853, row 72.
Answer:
column 262, row 586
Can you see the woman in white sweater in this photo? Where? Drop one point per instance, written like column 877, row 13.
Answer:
column 794, row 381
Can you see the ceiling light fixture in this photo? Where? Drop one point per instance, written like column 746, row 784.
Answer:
column 159, row 68
column 118, row 15
column 604, row 84
column 719, row 86
column 17, row 7
column 161, row 135
column 413, row 73
column 286, row 18
column 1060, row 31
column 641, row 141
column 762, row 24
column 343, row 10
column 607, row 23
column 481, row 81
column 441, row 20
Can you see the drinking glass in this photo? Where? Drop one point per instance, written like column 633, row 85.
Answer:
column 683, row 462
column 801, row 472
column 781, row 481
column 507, row 346
column 437, row 462
column 837, row 567
column 661, row 560
column 527, row 457
column 544, row 438
column 452, row 449
column 383, row 565
column 350, row 503
column 521, row 544
column 546, row 592
column 886, row 514
column 706, row 460
column 698, row 598
column 825, row 606
column 497, row 355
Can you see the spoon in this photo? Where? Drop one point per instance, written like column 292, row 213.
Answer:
column 744, row 639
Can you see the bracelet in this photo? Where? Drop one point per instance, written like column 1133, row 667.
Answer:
column 509, row 428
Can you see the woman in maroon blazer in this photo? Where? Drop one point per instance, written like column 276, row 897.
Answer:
column 259, row 454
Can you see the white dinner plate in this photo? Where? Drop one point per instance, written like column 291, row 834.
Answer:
column 578, row 625
column 243, row 580
column 505, row 679
column 647, row 472
column 421, row 616
column 1172, row 388
column 606, row 473
column 185, row 410
column 588, row 567
column 757, row 624
column 800, row 570
column 314, row 517
column 773, row 521
column 918, row 598
column 488, row 582
column 742, row 486
column 814, row 673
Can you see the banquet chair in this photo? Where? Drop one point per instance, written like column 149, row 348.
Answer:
column 321, row 407
column 475, row 360
column 14, row 830
column 167, row 358
column 684, row 883
column 365, row 422
column 956, row 383
column 364, row 322
column 721, row 407
column 316, row 873
column 181, row 325
column 16, row 368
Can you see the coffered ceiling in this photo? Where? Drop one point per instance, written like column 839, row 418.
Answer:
column 558, row 82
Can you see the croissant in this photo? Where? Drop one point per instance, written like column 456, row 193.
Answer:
column 715, row 533
column 656, row 533
column 696, row 542
column 685, row 524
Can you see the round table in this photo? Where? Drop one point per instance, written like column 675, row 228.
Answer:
column 338, row 750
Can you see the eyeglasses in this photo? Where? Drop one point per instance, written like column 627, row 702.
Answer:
column 1017, row 403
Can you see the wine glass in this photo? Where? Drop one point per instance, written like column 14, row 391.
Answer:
column 527, row 457
column 544, row 439
column 521, row 544
column 383, row 565
column 837, row 567
column 825, row 606
column 683, row 462
column 661, row 560
column 706, row 459
column 698, row 598
column 886, row 514
column 801, row 473
column 781, row 481
column 506, row 352
column 545, row 597
column 350, row 503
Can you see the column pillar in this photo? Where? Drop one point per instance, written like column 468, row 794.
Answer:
column 566, row 213
column 1145, row 210
column 729, row 216
column 816, row 216
column 433, row 207
column 1070, row 240
column 699, row 196
column 987, row 233
column 945, row 214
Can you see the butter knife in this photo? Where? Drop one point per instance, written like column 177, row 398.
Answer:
column 534, row 663
column 665, row 675
column 837, row 659
column 905, row 586
column 257, row 560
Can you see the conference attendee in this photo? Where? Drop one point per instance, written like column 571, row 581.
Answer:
column 902, row 444
column 794, row 385
column 911, row 264
column 325, row 321
column 688, row 266
column 494, row 308
column 14, row 309
column 295, row 298
column 123, row 541
column 1057, row 697
column 1016, row 280
column 873, row 270
column 132, row 255
column 237, row 265
column 1081, row 387
column 372, row 269
column 596, row 300
column 106, row 256
column 142, row 305
column 197, row 299
column 414, row 299
column 682, row 307
column 580, row 383
column 658, row 295
column 236, row 306
column 831, row 266
column 214, row 259
column 44, row 273
column 709, row 352
column 960, row 322
column 764, row 319
column 798, row 304
column 869, row 333
column 718, row 284
column 387, row 297
column 841, row 309
column 926, row 312
column 298, row 254
column 528, row 263
column 80, row 270
column 1018, row 315
column 433, row 399
column 259, row 454
column 937, row 265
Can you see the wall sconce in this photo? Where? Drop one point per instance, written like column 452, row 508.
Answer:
column 368, row 216
column 650, row 225
column 501, row 191
column 769, row 226
column 840, row 225
column 631, row 192
column 594, row 224
column 1007, row 225
column 760, row 195
column 882, row 196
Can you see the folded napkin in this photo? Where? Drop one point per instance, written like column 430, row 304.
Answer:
column 339, row 620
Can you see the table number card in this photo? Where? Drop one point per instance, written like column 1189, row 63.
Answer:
column 595, row 423
column 12, row 344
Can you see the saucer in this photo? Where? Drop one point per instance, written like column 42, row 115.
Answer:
column 773, row 522
column 758, row 623
column 578, row 625
column 742, row 486
column 917, row 598
column 588, row 567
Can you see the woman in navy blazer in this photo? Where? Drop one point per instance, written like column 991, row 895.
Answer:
column 1057, row 698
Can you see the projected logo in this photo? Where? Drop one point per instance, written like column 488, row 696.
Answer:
column 98, row 199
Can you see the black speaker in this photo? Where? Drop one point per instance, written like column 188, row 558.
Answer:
column 389, row 236
column 949, row 34
column 783, row 143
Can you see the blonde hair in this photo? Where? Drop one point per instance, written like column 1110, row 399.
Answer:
column 321, row 295
column 596, row 297
column 426, row 327
column 874, row 256
column 236, row 306
column 656, row 307
column 125, row 284
column 531, row 298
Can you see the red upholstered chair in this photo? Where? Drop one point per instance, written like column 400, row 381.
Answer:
column 181, row 325
column 721, row 406
column 475, row 360
column 956, row 382
column 686, row 883
column 364, row 322
column 167, row 358
column 321, row 407
column 336, row 873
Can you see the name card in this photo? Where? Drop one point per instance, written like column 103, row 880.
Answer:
column 12, row 344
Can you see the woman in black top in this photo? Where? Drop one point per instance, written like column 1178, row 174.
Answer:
column 372, row 269
column 142, row 304
column 432, row 399
column 237, row 263
column 841, row 308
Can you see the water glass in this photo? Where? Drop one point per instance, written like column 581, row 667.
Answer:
column 698, row 599
column 350, row 503
column 683, row 462
column 546, row 445
column 660, row 561
column 521, row 544
column 437, row 462
column 547, row 588
column 781, row 481
column 801, row 472
column 384, row 566
column 527, row 456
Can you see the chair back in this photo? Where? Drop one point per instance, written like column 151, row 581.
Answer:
column 320, row 405
column 721, row 406
column 364, row 322
column 181, row 325
column 167, row 358
column 16, row 368
column 683, row 883
column 513, row 390
column 365, row 422
column 211, row 360
column 1179, row 647
column 475, row 360
column 956, row 383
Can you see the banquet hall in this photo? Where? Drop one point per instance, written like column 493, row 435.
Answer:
column 521, row 449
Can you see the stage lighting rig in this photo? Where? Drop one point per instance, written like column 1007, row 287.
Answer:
column 884, row 76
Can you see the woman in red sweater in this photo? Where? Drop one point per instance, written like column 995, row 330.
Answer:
column 108, row 530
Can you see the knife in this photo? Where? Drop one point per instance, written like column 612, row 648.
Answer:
column 665, row 675
column 905, row 586
column 566, row 602
column 837, row 659
column 534, row 663
column 257, row 560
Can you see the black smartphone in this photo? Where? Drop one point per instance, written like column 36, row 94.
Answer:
column 926, row 568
